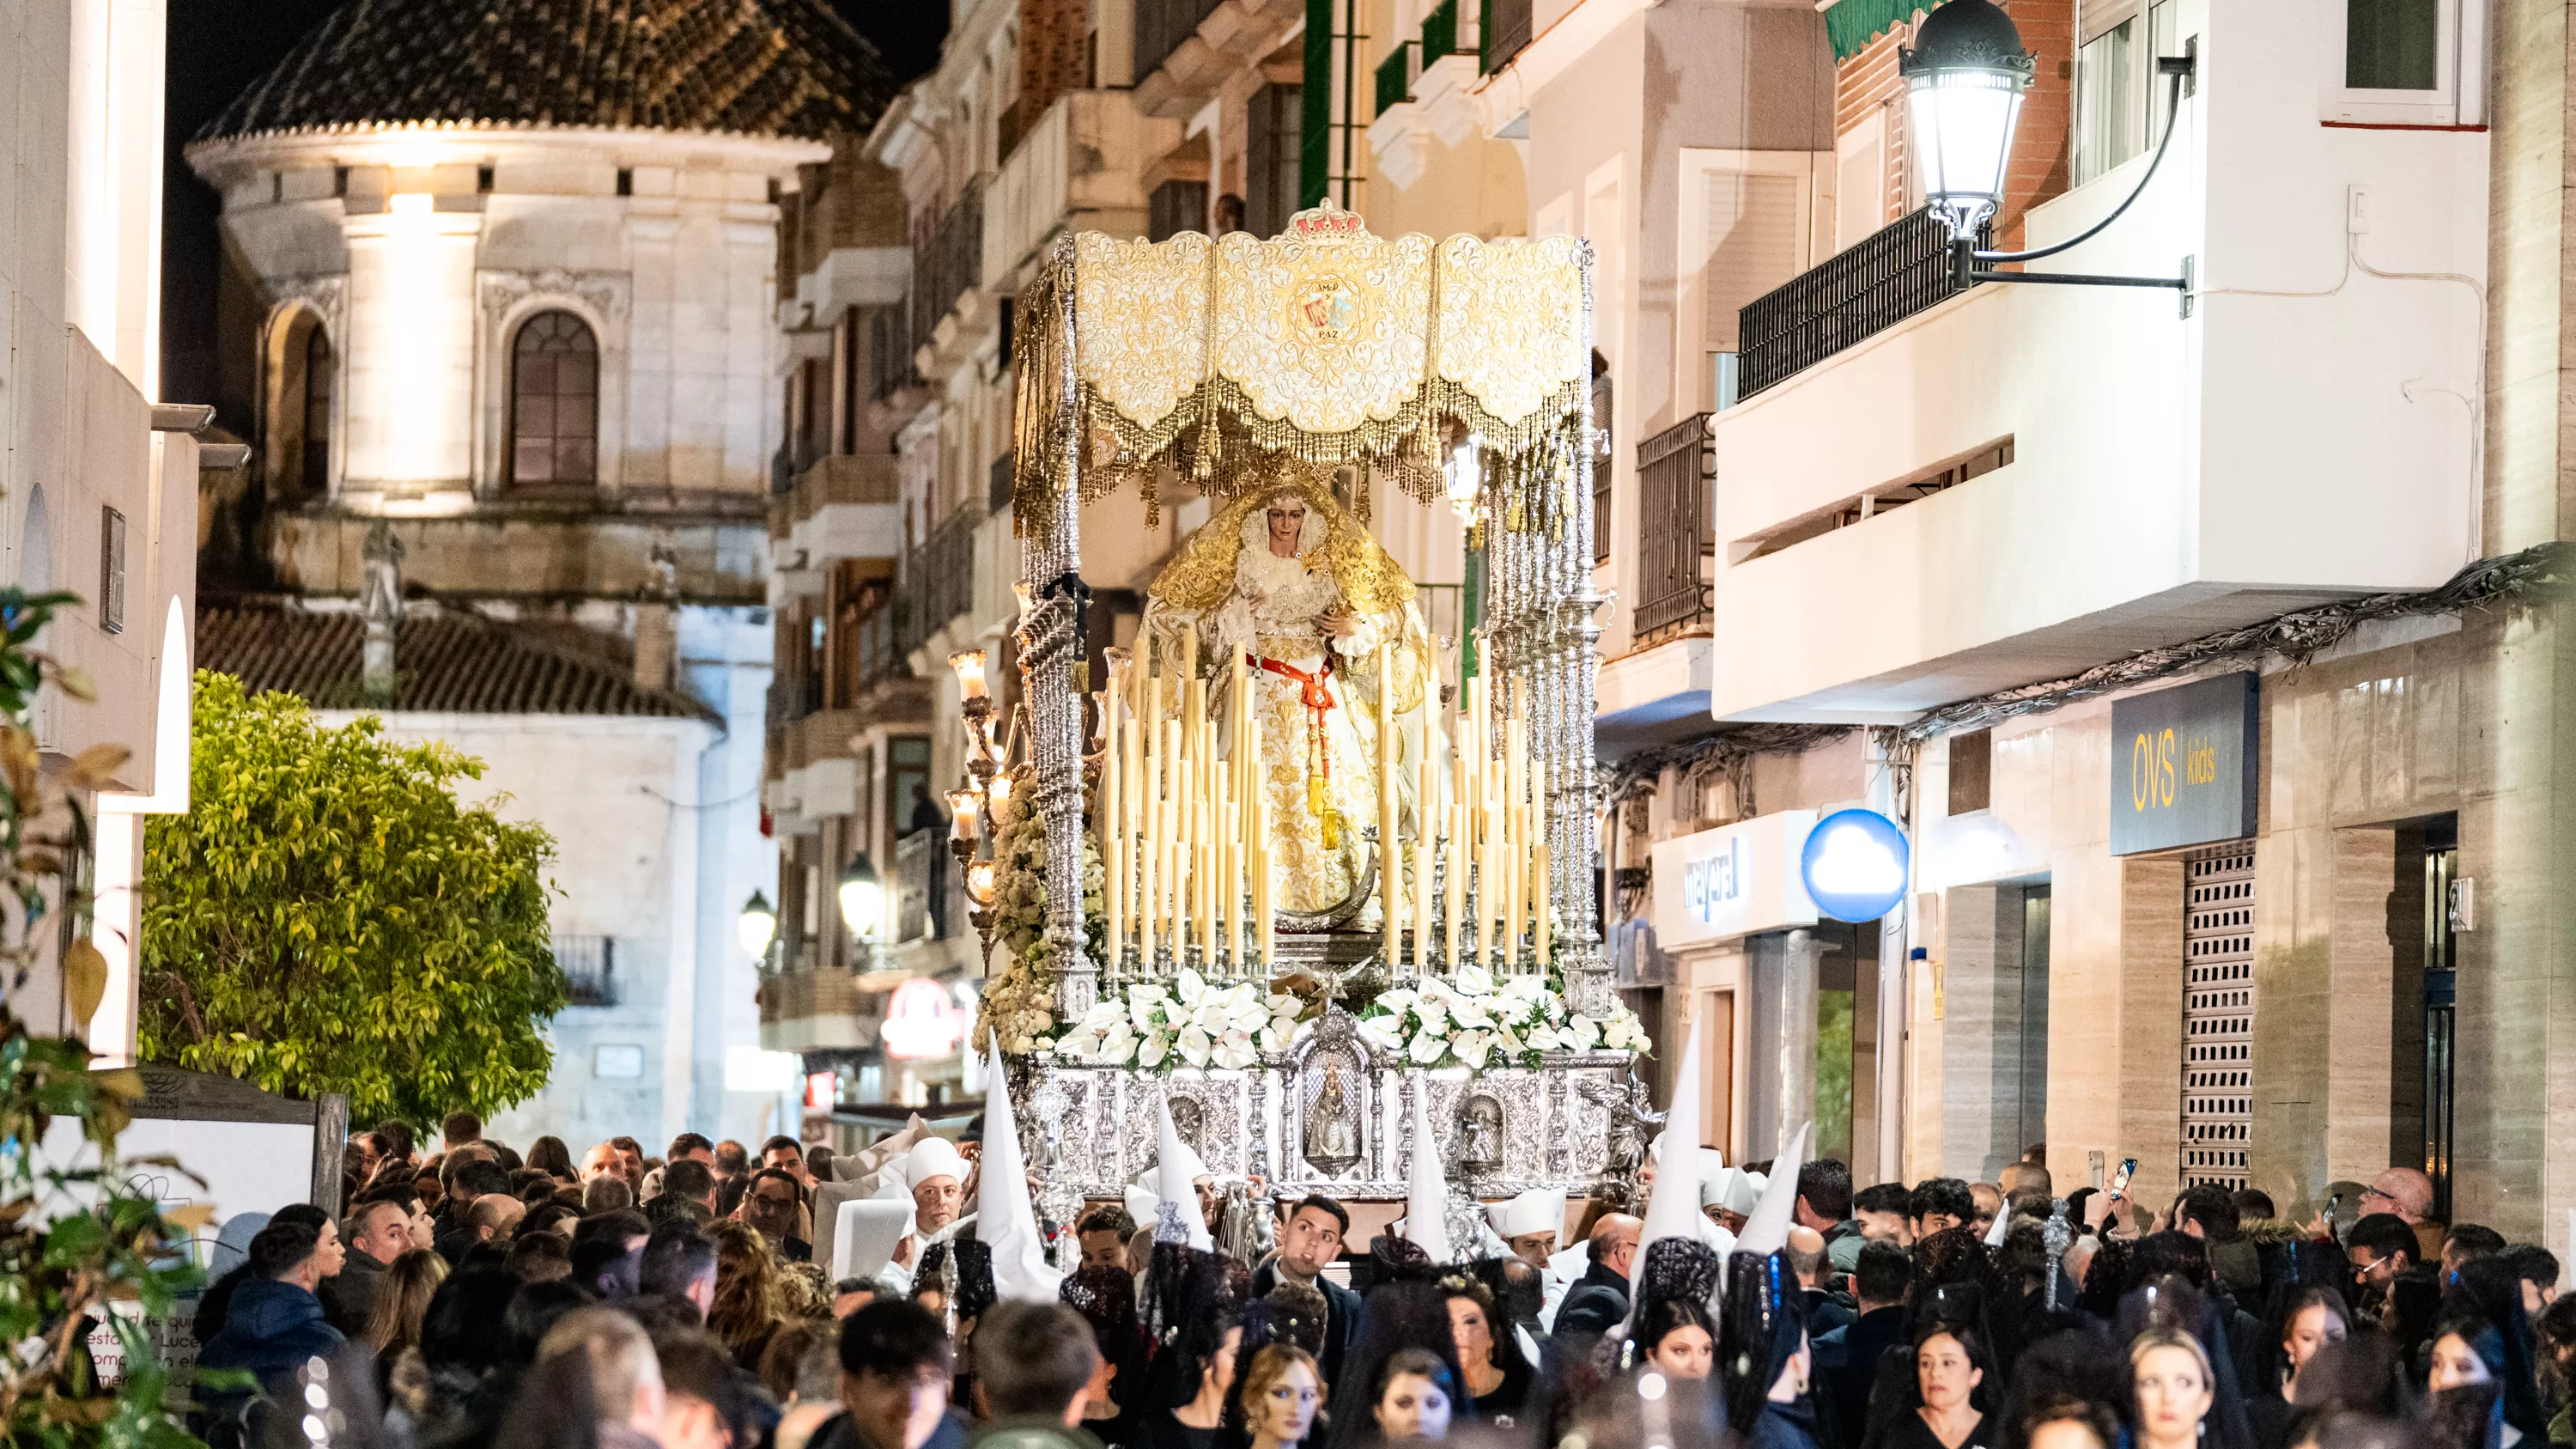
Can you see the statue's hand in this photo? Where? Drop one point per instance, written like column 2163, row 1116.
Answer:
column 1341, row 625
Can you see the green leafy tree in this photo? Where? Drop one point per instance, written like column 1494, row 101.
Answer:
column 80, row 1245
column 328, row 918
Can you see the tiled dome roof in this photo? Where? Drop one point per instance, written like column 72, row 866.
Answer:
column 757, row 67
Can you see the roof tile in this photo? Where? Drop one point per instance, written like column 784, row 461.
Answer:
column 444, row 664
column 756, row 67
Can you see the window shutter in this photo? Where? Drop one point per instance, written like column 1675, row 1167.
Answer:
column 1753, row 246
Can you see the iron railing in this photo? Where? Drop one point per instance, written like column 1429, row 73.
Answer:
column 890, row 365
column 938, row 580
column 1440, row 31
column 1675, row 531
column 950, row 265
column 1161, row 26
column 589, row 965
column 1901, row 269
column 1395, row 78
column 793, row 697
column 1506, row 31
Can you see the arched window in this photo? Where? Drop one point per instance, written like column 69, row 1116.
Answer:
column 554, row 401
column 304, row 373
column 320, row 373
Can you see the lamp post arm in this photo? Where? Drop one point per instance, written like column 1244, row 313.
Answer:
column 2176, row 69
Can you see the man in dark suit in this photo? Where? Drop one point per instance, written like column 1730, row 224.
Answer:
column 1311, row 1238
column 1847, row 1358
column 1598, row 1301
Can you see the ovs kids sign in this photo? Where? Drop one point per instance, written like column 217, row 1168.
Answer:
column 1854, row 865
column 2183, row 765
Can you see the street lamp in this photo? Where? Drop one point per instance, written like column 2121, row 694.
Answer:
column 862, row 898
column 1963, row 84
column 1964, row 78
column 758, row 925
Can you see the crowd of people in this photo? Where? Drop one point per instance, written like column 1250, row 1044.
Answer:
column 473, row 1296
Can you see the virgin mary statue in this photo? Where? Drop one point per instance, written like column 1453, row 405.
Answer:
column 1284, row 574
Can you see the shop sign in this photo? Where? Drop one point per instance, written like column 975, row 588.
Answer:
column 1732, row 881
column 922, row 1020
column 1854, row 865
column 2183, row 765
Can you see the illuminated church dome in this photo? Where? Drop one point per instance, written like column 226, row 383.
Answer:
column 751, row 67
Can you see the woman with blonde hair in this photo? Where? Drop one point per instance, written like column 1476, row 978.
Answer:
column 2173, row 1388
column 751, row 1296
column 402, row 1301
column 1280, row 1394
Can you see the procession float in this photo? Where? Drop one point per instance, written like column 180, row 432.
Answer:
column 1287, row 869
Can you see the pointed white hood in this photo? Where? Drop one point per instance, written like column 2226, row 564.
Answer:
column 1673, row 1210
column 1176, row 1166
column 1766, row 1230
column 1005, row 1219
column 1426, row 1199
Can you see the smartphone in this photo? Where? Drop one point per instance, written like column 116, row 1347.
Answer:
column 2120, row 1179
column 2334, row 1210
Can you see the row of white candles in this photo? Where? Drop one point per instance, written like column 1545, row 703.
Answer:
column 1185, row 827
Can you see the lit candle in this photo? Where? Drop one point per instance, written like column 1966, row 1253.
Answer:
column 963, row 805
column 1168, row 900
column 1149, row 788
column 1390, row 857
column 1454, row 889
column 1538, row 895
column 1426, row 794
column 969, row 664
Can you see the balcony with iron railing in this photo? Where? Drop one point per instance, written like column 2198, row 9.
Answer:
column 938, row 581
column 1886, row 277
column 1676, row 542
column 949, row 264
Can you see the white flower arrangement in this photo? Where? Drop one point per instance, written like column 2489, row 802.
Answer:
column 1471, row 1020
column 1188, row 1023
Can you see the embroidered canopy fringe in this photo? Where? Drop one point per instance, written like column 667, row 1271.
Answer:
column 1326, row 345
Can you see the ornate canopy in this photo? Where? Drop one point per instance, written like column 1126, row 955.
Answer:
column 1251, row 363
column 1327, row 343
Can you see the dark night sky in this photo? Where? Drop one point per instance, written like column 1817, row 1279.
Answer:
column 218, row 47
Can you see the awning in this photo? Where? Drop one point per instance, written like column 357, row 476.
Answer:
column 1852, row 24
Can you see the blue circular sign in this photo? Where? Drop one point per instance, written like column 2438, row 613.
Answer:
column 1854, row 866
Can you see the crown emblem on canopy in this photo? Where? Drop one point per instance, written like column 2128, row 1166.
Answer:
column 1326, row 223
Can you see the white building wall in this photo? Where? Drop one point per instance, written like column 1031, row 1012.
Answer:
column 627, row 844
column 80, row 166
column 2306, row 432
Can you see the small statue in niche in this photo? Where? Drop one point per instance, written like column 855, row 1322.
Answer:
column 1332, row 1136
column 1480, row 1134
column 1189, row 1120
